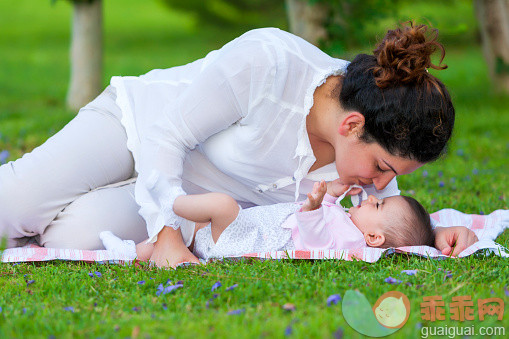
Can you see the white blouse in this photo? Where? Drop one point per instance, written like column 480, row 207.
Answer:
column 232, row 122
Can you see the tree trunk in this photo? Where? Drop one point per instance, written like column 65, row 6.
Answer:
column 306, row 20
column 86, row 53
column 493, row 17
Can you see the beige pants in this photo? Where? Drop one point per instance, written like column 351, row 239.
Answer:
column 78, row 183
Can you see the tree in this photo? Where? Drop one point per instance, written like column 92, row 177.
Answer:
column 337, row 25
column 86, row 53
column 307, row 20
column 493, row 17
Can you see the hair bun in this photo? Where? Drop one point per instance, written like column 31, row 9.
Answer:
column 404, row 55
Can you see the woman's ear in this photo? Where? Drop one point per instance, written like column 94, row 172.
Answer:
column 353, row 122
column 374, row 239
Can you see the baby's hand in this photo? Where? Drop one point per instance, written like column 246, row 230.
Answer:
column 315, row 198
column 336, row 188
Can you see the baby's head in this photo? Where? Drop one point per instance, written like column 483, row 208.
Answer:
column 393, row 222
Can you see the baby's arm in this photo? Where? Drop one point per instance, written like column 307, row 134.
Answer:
column 217, row 208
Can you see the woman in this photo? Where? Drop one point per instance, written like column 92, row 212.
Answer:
column 260, row 119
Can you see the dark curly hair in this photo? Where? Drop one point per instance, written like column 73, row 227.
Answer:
column 407, row 111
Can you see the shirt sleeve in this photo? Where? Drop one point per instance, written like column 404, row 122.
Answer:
column 218, row 97
column 313, row 231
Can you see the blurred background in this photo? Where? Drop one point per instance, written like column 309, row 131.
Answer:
column 45, row 77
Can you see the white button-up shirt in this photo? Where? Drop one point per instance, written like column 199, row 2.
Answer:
column 232, row 122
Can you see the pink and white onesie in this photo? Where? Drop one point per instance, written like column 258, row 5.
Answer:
column 282, row 227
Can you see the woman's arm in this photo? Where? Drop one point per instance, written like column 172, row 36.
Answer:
column 216, row 99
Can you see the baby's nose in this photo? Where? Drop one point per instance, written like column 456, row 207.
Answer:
column 372, row 199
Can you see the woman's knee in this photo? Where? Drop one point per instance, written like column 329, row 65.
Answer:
column 109, row 209
column 22, row 209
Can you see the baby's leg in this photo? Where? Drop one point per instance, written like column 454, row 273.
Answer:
column 217, row 208
column 198, row 226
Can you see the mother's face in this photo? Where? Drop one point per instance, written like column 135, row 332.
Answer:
column 363, row 163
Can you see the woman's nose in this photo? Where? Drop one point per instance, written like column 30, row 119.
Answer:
column 382, row 181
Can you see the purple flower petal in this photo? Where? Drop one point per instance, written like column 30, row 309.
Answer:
column 69, row 308
column 168, row 282
column 425, row 173
column 98, row 274
column 239, row 311
column 333, row 299
column 3, row 156
column 141, row 282
column 506, row 291
column 409, row 272
column 441, row 184
column 392, row 280
column 136, row 309
column 180, row 282
column 91, row 275
column 232, row 287
column 160, row 289
column 339, row 333
column 171, row 288
column 216, row 286
column 448, row 275
column 475, row 171
column 288, row 330
column 30, row 282
column 0, row 309
column 24, row 310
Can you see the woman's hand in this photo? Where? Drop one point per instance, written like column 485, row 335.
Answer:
column 315, row 198
column 453, row 240
column 170, row 250
column 336, row 188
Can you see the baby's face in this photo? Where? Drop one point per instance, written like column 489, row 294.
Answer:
column 374, row 213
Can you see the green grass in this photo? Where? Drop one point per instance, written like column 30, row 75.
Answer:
column 139, row 37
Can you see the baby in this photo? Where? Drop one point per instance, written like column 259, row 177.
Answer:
column 223, row 228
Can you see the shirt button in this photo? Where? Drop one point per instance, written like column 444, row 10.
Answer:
column 293, row 179
column 274, row 186
column 260, row 190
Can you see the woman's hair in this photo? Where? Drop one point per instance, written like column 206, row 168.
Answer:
column 411, row 228
column 406, row 110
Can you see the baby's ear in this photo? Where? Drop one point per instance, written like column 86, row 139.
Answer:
column 374, row 239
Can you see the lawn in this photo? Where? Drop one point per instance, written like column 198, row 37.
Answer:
column 266, row 298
